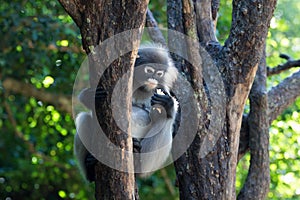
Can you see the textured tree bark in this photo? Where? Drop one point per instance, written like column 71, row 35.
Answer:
column 258, row 180
column 279, row 98
column 206, row 18
column 99, row 20
column 213, row 177
column 283, row 95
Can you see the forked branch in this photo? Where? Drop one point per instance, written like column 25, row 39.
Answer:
column 290, row 63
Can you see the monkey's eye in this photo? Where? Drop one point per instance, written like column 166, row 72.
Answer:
column 149, row 70
column 160, row 73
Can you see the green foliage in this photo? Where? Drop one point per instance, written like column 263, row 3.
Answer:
column 40, row 45
column 242, row 171
column 285, row 159
column 283, row 37
column 155, row 187
column 224, row 20
column 159, row 10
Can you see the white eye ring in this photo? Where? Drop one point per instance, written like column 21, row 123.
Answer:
column 160, row 73
column 149, row 70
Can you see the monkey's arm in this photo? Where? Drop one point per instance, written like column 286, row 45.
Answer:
column 157, row 144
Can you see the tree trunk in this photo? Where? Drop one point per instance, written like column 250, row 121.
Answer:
column 213, row 176
column 99, row 20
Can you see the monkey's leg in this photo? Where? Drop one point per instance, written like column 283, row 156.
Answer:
column 90, row 162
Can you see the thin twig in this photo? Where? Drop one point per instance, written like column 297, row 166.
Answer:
column 290, row 63
column 167, row 181
column 62, row 102
column 18, row 133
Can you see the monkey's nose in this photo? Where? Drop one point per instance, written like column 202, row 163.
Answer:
column 151, row 84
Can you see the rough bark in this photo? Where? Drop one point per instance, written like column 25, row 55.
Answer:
column 99, row 20
column 283, row 95
column 213, row 177
column 206, row 12
column 242, row 51
column 258, row 179
column 279, row 98
column 244, row 138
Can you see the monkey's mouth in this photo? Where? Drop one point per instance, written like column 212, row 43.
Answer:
column 151, row 83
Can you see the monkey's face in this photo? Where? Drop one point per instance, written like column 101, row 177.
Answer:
column 149, row 77
column 153, row 69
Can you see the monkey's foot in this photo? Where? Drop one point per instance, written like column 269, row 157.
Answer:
column 90, row 162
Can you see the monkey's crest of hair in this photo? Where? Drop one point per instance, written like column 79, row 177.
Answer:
column 157, row 53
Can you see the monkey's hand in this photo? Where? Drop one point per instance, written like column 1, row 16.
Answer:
column 166, row 101
column 90, row 162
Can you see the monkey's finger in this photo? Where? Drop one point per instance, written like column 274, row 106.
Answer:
column 162, row 98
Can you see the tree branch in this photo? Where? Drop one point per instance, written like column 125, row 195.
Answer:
column 174, row 12
column 61, row 102
column 189, row 19
column 205, row 21
column 215, row 4
column 257, row 183
column 190, row 26
column 250, row 22
column 153, row 30
column 283, row 67
column 238, row 60
column 244, row 138
column 74, row 9
column 101, row 20
column 279, row 99
column 283, row 95
column 168, row 181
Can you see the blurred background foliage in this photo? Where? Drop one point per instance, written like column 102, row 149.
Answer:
column 41, row 46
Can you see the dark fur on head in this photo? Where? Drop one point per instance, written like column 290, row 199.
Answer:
column 152, row 54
